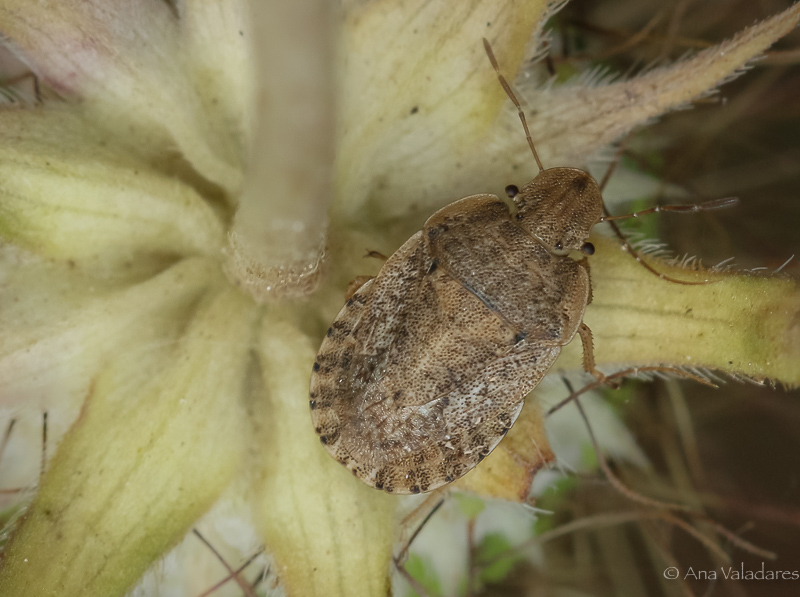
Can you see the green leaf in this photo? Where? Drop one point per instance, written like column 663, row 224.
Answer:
column 471, row 506
column 425, row 573
column 492, row 548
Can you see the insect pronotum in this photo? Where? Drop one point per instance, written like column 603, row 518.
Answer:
column 426, row 366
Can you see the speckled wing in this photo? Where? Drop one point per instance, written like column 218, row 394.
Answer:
column 478, row 242
column 417, row 379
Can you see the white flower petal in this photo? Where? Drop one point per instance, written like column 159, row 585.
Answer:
column 418, row 98
column 126, row 60
column 156, row 444
column 67, row 191
column 331, row 535
column 59, row 327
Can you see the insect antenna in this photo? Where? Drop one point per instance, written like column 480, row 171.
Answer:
column 514, row 99
column 694, row 207
column 706, row 206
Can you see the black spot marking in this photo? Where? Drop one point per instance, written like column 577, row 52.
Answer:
column 505, row 430
column 445, row 401
column 415, row 489
column 378, row 484
column 415, row 109
column 345, row 360
column 580, row 183
column 388, row 489
column 349, row 302
column 519, row 337
column 341, row 327
column 397, row 395
column 323, row 439
column 330, row 332
column 318, row 430
column 448, row 478
column 434, row 265
column 316, row 366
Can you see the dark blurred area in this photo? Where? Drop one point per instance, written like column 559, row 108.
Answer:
column 742, row 141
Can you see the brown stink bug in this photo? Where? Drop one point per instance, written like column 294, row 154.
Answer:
column 426, row 367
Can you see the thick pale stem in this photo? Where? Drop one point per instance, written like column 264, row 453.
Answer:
column 278, row 236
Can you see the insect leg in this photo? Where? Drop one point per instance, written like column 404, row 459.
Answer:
column 588, row 356
column 584, row 263
column 611, row 220
column 627, row 373
column 437, row 494
column 400, row 559
column 376, row 255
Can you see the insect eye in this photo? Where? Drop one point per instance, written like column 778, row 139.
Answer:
column 559, row 246
column 588, row 248
column 512, row 191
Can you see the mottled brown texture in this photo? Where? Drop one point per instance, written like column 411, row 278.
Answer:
column 426, row 367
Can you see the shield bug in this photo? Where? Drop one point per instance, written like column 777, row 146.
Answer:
column 426, row 366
